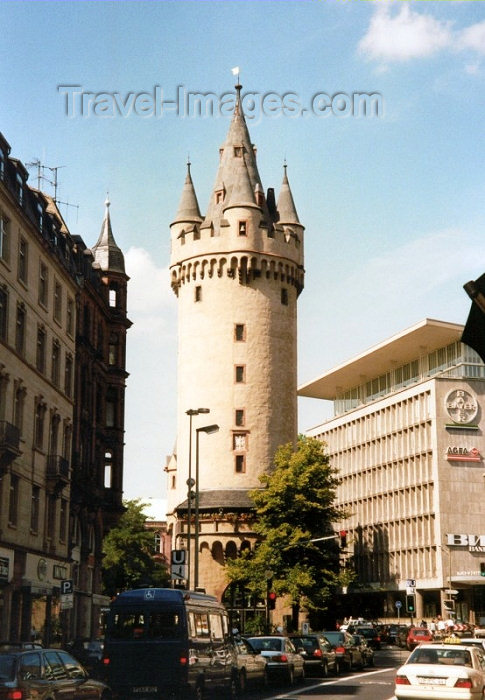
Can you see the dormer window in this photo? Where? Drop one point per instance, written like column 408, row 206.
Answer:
column 40, row 216
column 20, row 189
column 238, row 151
column 219, row 196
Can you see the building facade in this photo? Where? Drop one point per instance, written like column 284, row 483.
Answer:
column 37, row 350
column 99, row 409
column 55, row 504
column 407, row 441
column 237, row 273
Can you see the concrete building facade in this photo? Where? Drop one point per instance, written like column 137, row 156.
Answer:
column 237, row 273
column 407, row 441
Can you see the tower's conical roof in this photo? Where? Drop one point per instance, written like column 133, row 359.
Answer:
column 106, row 251
column 286, row 206
column 236, row 148
column 242, row 193
column 188, row 210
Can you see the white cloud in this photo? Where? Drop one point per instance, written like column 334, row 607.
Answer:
column 150, row 299
column 473, row 37
column 405, row 35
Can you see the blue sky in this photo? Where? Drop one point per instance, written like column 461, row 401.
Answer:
column 393, row 205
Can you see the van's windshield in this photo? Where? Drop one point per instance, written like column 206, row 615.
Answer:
column 145, row 624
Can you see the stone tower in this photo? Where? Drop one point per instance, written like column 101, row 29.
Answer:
column 237, row 273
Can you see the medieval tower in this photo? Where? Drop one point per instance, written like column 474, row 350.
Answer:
column 237, row 273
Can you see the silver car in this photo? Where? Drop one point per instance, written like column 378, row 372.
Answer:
column 283, row 661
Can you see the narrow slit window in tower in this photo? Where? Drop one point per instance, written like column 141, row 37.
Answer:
column 240, row 332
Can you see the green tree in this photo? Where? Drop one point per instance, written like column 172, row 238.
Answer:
column 295, row 505
column 128, row 549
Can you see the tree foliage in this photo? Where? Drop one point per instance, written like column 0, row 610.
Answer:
column 295, row 505
column 128, row 549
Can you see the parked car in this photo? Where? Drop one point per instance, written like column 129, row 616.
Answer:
column 318, row 654
column 371, row 635
column 284, row 662
column 437, row 671
column 46, row 673
column 402, row 635
column 366, row 651
column 89, row 653
column 418, row 635
column 349, row 656
column 251, row 666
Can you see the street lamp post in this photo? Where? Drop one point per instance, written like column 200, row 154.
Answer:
column 190, row 482
column 209, row 429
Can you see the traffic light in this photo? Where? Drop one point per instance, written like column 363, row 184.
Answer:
column 343, row 539
column 271, row 600
column 411, row 603
column 482, row 568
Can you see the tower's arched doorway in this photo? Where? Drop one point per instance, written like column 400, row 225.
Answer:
column 247, row 612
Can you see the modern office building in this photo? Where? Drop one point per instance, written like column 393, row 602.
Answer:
column 237, row 273
column 408, row 443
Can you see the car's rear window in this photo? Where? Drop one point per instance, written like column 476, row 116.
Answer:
column 421, row 633
column 308, row 643
column 335, row 637
column 453, row 657
column 265, row 643
column 7, row 667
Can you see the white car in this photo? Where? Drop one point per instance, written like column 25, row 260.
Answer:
column 442, row 672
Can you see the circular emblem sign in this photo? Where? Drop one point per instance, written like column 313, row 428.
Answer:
column 461, row 406
column 42, row 569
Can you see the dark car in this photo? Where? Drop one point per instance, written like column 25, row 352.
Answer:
column 349, row 656
column 318, row 654
column 366, row 651
column 251, row 666
column 371, row 635
column 46, row 673
column 402, row 635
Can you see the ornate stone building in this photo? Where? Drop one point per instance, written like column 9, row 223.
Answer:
column 237, row 273
column 62, row 378
column 98, row 440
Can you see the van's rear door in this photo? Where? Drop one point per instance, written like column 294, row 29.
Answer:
column 147, row 649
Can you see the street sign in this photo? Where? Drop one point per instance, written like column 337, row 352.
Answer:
column 411, row 583
column 398, row 604
column 67, row 586
column 410, row 590
column 451, row 591
column 178, row 569
column 67, row 601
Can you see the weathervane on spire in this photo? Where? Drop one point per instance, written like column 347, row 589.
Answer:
column 235, row 71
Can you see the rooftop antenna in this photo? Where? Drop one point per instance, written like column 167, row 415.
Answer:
column 51, row 180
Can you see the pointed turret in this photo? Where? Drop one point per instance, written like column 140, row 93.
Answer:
column 106, row 252
column 242, row 194
column 286, row 206
column 236, row 156
column 188, row 210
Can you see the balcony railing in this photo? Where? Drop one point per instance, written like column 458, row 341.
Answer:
column 57, row 472
column 9, row 443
